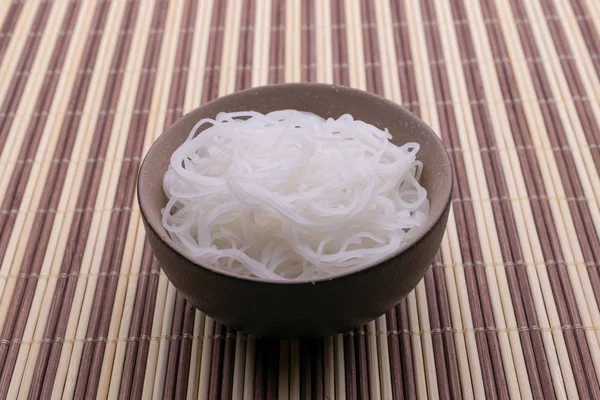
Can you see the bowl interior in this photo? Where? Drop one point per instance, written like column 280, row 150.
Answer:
column 321, row 99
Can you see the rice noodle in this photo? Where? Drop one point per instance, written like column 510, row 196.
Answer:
column 290, row 195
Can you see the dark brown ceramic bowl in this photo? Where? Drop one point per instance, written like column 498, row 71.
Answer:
column 305, row 308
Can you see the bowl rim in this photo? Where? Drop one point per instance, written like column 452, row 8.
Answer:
column 432, row 220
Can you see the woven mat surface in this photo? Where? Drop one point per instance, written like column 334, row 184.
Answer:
column 509, row 308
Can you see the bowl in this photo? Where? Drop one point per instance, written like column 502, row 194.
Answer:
column 302, row 308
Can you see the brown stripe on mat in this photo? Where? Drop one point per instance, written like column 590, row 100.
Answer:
column 99, row 321
column 371, row 48
column 588, row 30
column 438, row 285
column 243, row 78
column 266, row 369
column 522, row 300
column 277, row 43
column 215, row 49
column 11, row 199
column 182, row 63
column 306, row 369
column 21, row 74
column 406, row 356
column 406, row 74
column 185, row 352
column 395, row 354
column 284, row 369
column 216, row 366
column 439, row 352
column 179, row 349
column 261, row 369
column 339, row 45
column 137, row 343
column 71, row 263
column 318, row 373
column 8, row 26
column 362, row 367
column 228, row 364
column 350, row 366
column 487, row 340
column 273, row 369
column 362, row 362
column 266, row 382
column 311, row 369
column 173, row 357
column 557, row 269
column 308, row 43
column 135, row 377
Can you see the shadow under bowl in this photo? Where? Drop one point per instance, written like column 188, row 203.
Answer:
column 302, row 308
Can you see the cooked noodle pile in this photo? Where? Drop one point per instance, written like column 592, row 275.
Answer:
column 290, row 195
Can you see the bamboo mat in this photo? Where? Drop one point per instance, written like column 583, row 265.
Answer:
column 509, row 308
